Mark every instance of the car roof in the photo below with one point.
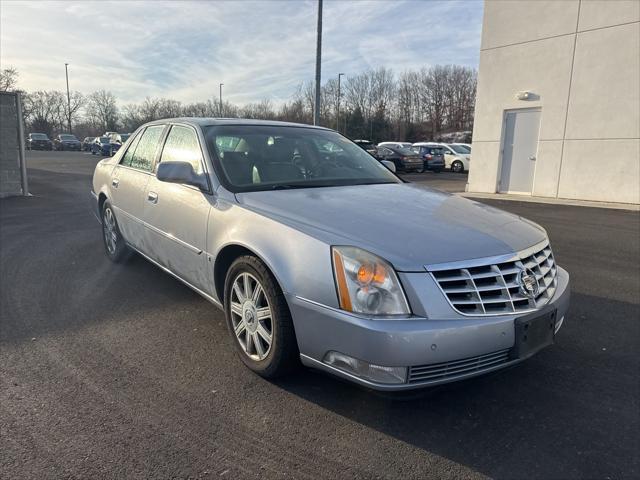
(427, 144)
(207, 122)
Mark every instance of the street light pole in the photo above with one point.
(221, 98)
(66, 72)
(316, 113)
(338, 112)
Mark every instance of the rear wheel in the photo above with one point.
(457, 167)
(114, 245)
(259, 319)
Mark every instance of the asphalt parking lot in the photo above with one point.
(120, 371)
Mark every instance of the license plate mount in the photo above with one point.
(533, 333)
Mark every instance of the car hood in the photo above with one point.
(408, 225)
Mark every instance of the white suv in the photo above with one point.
(456, 158)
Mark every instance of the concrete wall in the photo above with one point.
(10, 172)
(581, 60)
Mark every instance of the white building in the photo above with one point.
(558, 103)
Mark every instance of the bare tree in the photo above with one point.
(102, 110)
(8, 79)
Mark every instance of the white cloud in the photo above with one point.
(260, 49)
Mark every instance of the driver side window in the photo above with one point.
(182, 146)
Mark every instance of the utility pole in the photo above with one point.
(338, 112)
(66, 71)
(221, 98)
(316, 113)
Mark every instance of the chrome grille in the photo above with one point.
(441, 371)
(494, 288)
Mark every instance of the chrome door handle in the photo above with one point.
(115, 182)
(532, 157)
(152, 197)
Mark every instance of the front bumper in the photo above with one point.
(417, 343)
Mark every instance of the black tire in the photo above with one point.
(118, 251)
(283, 356)
(457, 167)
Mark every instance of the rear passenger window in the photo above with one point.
(145, 152)
(128, 156)
(182, 146)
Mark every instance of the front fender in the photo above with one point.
(300, 263)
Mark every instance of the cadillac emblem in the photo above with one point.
(528, 282)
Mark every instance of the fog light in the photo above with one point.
(368, 371)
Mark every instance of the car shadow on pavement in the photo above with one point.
(568, 412)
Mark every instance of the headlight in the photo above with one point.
(366, 283)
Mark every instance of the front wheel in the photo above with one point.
(114, 245)
(259, 319)
(457, 167)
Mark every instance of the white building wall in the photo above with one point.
(581, 61)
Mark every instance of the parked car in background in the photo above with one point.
(86, 143)
(103, 146)
(395, 144)
(66, 141)
(119, 138)
(39, 141)
(432, 155)
(455, 158)
(405, 159)
(465, 146)
(367, 145)
(329, 258)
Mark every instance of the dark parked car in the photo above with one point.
(433, 156)
(66, 141)
(39, 141)
(86, 143)
(368, 146)
(405, 159)
(104, 146)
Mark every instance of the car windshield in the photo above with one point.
(253, 158)
(124, 138)
(38, 136)
(105, 140)
(67, 137)
(459, 149)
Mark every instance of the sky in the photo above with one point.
(258, 49)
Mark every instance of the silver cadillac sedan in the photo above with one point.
(317, 253)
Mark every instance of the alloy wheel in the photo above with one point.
(109, 230)
(251, 316)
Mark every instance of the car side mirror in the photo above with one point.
(181, 172)
(390, 165)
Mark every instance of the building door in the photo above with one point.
(519, 150)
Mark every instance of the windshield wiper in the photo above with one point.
(290, 186)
